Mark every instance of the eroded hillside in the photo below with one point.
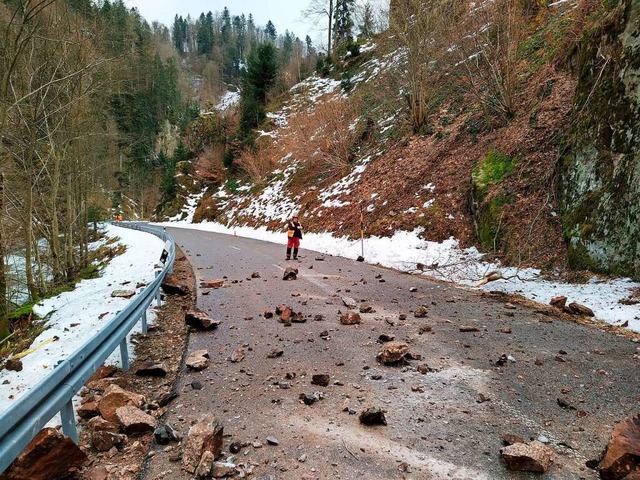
(467, 168)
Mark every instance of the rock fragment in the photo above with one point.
(200, 320)
(290, 273)
(116, 397)
(198, 360)
(152, 370)
(204, 436)
(622, 455)
(373, 416)
(321, 379)
(350, 318)
(527, 457)
(134, 421)
(392, 353)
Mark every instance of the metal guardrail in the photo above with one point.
(23, 420)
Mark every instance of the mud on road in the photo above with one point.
(511, 371)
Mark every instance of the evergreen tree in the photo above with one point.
(309, 46)
(261, 74)
(270, 31)
(343, 23)
(366, 23)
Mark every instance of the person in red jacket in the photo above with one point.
(294, 235)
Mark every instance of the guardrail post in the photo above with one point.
(124, 354)
(144, 321)
(158, 298)
(68, 418)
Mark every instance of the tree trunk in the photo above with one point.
(330, 28)
(3, 276)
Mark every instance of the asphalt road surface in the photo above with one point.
(444, 424)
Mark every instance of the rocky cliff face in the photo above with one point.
(599, 188)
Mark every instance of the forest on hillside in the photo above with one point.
(94, 104)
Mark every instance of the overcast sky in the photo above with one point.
(285, 14)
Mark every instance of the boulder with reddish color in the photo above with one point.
(204, 436)
(49, 456)
(134, 421)
(350, 318)
(622, 456)
(116, 397)
(578, 309)
(88, 410)
(99, 424)
(558, 302)
(527, 457)
(171, 286)
(198, 360)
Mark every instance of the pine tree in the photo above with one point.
(270, 31)
(343, 23)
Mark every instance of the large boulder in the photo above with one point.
(392, 353)
(622, 456)
(204, 436)
(200, 320)
(49, 456)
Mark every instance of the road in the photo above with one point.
(444, 424)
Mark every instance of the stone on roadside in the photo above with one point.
(271, 440)
(290, 273)
(622, 455)
(275, 353)
(88, 410)
(212, 284)
(198, 360)
(392, 353)
(510, 439)
(103, 441)
(309, 398)
(350, 318)
(349, 302)
(200, 320)
(558, 302)
(134, 421)
(116, 397)
(527, 457)
(204, 436)
(578, 309)
(373, 416)
(285, 314)
(99, 424)
(122, 294)
(421, 312)
(468, 329)
(366, 308)
(255, 275)
(237, 355)
(166, 434)
(171, 286)
(50, 455)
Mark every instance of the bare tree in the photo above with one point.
(318, 10)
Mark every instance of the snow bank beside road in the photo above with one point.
(74, 317)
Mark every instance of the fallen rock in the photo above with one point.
(122, 293)
(134, 421)
(212, 284)
(373, 416)
(468, 328)
(88, 410)
(558, 302)
(103, 384)
(255, 275)
(237, 355)
(298, 317)
(267, 314)
(97, 473)
(320, 379)
(99, 424)
(104, 371)
(171, 286)
(392, 352)
(366, 308)
(290, 273)
(349, 302)
(622, 455)
(166, 434)
(14, 365)
(200, 320)
(198, 360)
(275, 353)
(204, 436)
(350, 318)
(578, 309)
(386, 338)
(152, 370)
(425, 329)
(50, 455)
(116, 397)
(271, 440)
(421, 312)
(103, 441)
(309, 398)
(527, 457)
(285, 313)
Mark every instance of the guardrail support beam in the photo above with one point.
(144, 321)
(68, 418)
(124, 354)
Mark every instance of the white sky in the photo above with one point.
(285, 14)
